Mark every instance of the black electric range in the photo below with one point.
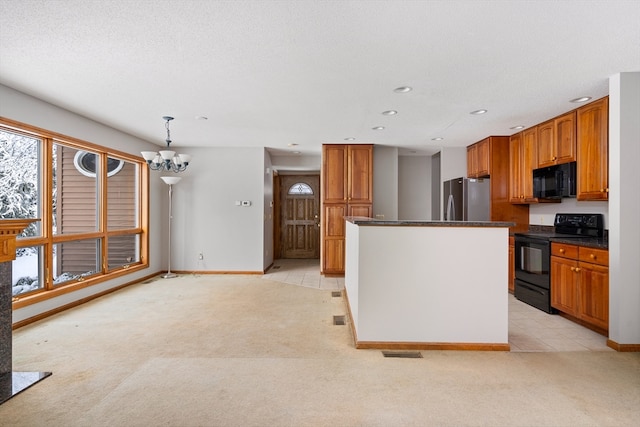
(533, 254)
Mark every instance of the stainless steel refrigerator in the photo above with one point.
(467, 199)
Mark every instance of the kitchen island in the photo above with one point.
(427, 284)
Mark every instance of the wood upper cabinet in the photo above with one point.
(556, 143)
(334, 173)
(347, 190)
(593, 150)
(522, 156)
(479, 159)
(580, 283)
(360, 174)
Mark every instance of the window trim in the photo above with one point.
(47, 239)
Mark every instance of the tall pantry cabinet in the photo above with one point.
(347, 190)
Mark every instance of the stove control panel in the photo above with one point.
(579, 223)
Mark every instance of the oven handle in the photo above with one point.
(530, 288)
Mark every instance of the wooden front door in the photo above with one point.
(300, 213)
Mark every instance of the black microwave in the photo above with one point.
(555, 182)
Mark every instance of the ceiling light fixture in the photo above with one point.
(389, 113)
(293, 144)
(378, 128)
(438, 138)
(478, 112)
(517, 127)
(350, 139)
(581, 99)
(166, 160)
(403, 89)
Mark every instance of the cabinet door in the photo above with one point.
(512, 263)
(546, 145)
(365, 210)
(334, 173)
(529, 160)
(333, 237)
(516, 194)
(592, 147)
(360, 175)
(564, 285)
(594, 294)
(472, 161)
(565, 138)
(483, 158)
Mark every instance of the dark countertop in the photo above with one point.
(592, 242)
(403, 223)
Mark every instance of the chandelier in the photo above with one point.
(166, 160)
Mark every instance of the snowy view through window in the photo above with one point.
(19, 198)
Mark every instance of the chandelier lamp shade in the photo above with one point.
(166, 160)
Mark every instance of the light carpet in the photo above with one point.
(245, 351)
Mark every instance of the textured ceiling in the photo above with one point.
(274, 73)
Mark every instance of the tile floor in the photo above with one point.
(530, 330)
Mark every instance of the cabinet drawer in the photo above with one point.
(564, 250)
(593, 255)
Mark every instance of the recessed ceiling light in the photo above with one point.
(293, 144)
(402, 89)
(350, 139)
(478, 112)
(378, 128)
(202, 118)
(581, 99)
(438, 138)
(517, 127)
(390, 113)
(296, 152)
(412, 152)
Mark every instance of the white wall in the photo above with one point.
(624, 208)
(26, 109)
(414, 187)
(544, 213)
(385, 182)
(206, 218)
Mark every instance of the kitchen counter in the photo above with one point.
(364, 221)
(427, 284)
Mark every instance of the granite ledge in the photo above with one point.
(364, 221)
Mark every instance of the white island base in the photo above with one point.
(427, 285)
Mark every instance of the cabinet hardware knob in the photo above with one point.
(592, 256)
(602, 190)
(573, 269)
(607, 190)
(554, 158)
(577, 269)
(562, 251)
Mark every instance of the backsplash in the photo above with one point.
(544, 213)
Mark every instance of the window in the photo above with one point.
(89, 201)
(300, 188)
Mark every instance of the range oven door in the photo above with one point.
(532, 261)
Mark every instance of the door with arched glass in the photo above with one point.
(300, 216)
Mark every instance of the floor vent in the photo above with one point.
(403, 354)
(336, 294)
(339, 320)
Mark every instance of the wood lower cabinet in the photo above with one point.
(347, 190)
(593, 150)
(580, 283)
(512, 263)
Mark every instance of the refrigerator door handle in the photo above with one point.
(451, 207)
